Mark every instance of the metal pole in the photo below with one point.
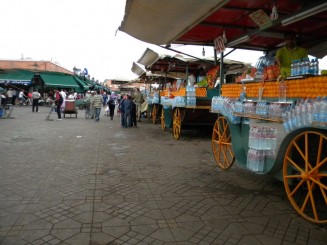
(221, 71)
(186, 73)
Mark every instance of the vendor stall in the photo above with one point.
(273, 126)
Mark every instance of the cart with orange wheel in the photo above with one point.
(181, 116)
(300, 158)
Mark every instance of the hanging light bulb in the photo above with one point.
(274, 14)
(203, 52)
(224, 37)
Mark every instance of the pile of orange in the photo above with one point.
(201, 92)
(310, 87)
(231, 90)
(180, 92)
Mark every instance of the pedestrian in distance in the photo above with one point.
(139, 100)
(111, 104)
(121, 108)
(128, 112)
(133, 115)
(97, 104)
(58, 101)
(36, 97)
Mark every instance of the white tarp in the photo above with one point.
(146, 19)
(137, 69)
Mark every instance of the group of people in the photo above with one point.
(130, 109)
(32, 98)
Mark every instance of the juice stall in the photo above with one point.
(274, 126)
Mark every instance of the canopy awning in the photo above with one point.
(246, 24)
(16, 77)
(81, 83)
(59, 80)
(137, 69)
(146, 20)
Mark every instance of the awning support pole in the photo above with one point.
(221, 71)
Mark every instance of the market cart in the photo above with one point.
(70, 108)
(183, 112)
(296, 154)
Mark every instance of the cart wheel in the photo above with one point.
(222, 144)
(162, 118)
(154, 114)
(177, 123)
(305, 175)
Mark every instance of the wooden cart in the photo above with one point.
(300, 160)
(70, 108)
(178, 117)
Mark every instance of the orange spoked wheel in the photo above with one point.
(177, 123)
(305, 175)
(222, 144)
(162, 119)
(154, 114)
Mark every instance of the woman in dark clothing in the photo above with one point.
(111, 104)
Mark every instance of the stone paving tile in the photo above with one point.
(79, 182)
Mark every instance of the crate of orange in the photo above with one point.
(201, 92)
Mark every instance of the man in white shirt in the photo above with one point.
(22, 97)
(36, 96)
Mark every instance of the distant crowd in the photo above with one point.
(127, 106)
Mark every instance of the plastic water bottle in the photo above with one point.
(306, 66)
(316, 110)
(322, 117)
(282, 91)
(293, 68)
(316, 67)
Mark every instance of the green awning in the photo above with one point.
(16, 77)
(83, 85)
(59, 80)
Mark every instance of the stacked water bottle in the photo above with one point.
(179, 101)
(166, 102)
(275, 110)
(190, 96)
(226, 106)
(155, 99)
(262, 109)
(306, 112)
(149, 99)
(305, 67)
(262, 144)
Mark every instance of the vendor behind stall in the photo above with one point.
(287, 54)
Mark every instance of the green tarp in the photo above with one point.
(59, 80)
(16, 77)
(81, 83)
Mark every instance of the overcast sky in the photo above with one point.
(80, 33)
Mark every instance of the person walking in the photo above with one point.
(10, 95)
(14, 96)
(22, 98)
(97, 104)
(133, 115)
(92, 109)
(139, 99)
(111, 104)
(128, 112)
(36, 97)
(58, 100)
(121, 108)
(105, 98)
(87, 104)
